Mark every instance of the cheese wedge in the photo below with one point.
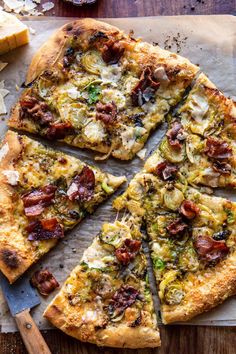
(13, 33)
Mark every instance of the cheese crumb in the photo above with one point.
(12, 176)
(3, 151)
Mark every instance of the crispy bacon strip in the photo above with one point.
(37, 200)
(107, 113)
(44, 229)
(177, 227)
(189, 209)
(145, 88)
(218, 149)
(112, 51)
(44, 281)
(175, 135)
(59, 130)
(122, 299)
(82, 185)
(210, 250)
(128, 251)
(36, 110)
(166, 171)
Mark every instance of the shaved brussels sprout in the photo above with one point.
(173, 198)
(106, 188)
(188, 260)
(92, 62)
(174, 293)
(171, 154)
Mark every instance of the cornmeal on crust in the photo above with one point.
(107, 300)
(42, 194)
(94, 87)
(192, 239)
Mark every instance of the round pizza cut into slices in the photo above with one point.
(95, 87)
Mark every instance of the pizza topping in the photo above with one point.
(222, 167)
(59, 130)
(128, 251)
(44, 281)
(44, 229)
(36, 110)
(144, 90)
(68, 57)
(10, 258)
(209, 249)
(221, 235)
(107, 113)
(37, 200)
(177, 227)
(112, 51)
(122, 299)
(175, 135)
(3, 151)
(218, 149)
(166, 171)
(189, 209)
(174, 293)
(12, 176)
(82, 185)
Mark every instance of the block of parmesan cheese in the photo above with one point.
(13, 33)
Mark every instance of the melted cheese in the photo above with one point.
(12, 176)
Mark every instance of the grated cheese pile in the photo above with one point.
(27, 7)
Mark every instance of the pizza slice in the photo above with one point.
(43, 193)
(107, 300)
(95, 87)
(193, 250)
(200, 140)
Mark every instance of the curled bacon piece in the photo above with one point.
(189, 209)
(175, 135)
(145, 88)
(37, 200)
(112, 51)
(44, 281)
(222, 167)
(36, 110)
(210, 250)
(107, 113)
(218, 149)
(44, 229)
(123, 298)
(128, 251)
(177, 227)
(82, 185)
(166, 171)
(59, 130)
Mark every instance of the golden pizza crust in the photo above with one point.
(212, 291)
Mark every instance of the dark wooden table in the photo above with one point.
(175, 339)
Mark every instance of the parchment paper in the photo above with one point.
(209, 41)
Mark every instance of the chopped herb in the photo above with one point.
(94, 92)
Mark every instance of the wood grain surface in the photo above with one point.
(175, 339)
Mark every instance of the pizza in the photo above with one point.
(107, 299)
(191, 236)
(92, 86)
(43, 193)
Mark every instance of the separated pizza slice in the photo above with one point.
(95, 87)
(107, 300)
(193, 249)
(200, 140)
(43, 193)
